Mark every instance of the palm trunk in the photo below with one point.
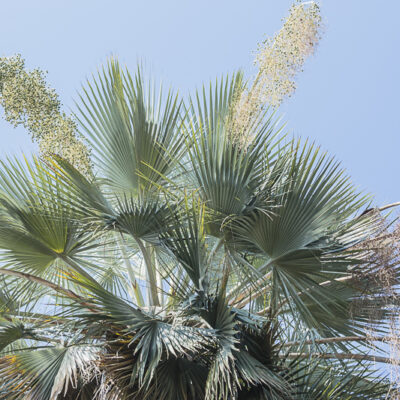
(343, 339)
(133, 286)
(151, 276)
(340, 356)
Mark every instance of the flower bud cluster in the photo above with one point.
(27, 100)
(279, 59)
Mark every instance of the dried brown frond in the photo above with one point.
(379, 277)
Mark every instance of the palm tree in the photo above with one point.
(188, 264)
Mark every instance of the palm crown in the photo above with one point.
(187, 264)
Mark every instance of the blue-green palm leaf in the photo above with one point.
(226, 173)
(134, 134)
(306, 239)
(44, 373)
(37, 228)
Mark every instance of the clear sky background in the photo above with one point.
(347, 98)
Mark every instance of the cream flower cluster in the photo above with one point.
(28, 101)
(279, 60)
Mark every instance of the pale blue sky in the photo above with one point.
(347, 97)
